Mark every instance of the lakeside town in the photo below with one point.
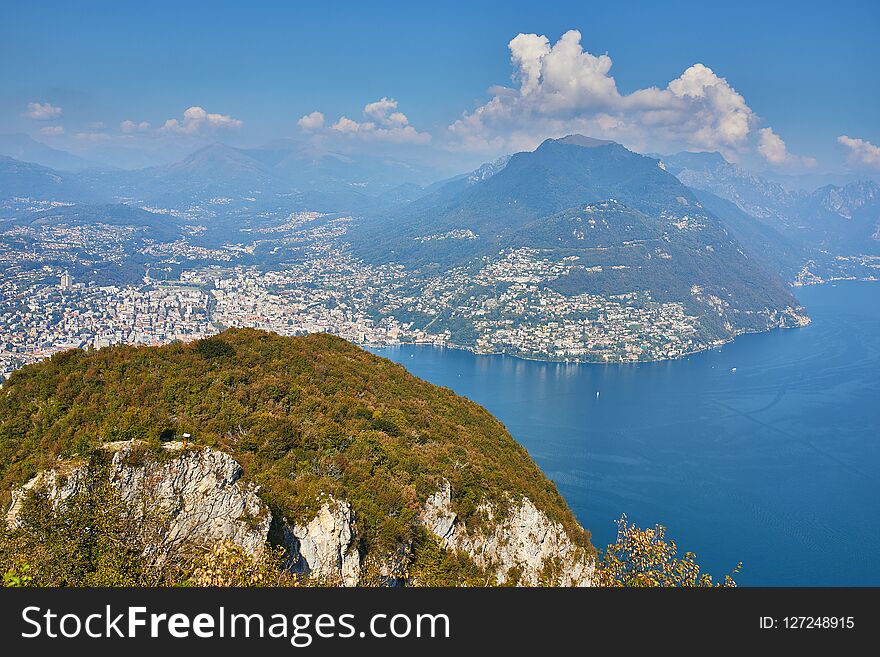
(45, 309)
(498, 304)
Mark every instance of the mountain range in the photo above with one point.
(281, 172)
(28, 180)
(689, 229)
(833, 218)
(284, 173)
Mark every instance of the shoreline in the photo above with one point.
(692, 352)
(535, 359)
(574, 361)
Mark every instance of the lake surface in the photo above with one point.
(775, 464)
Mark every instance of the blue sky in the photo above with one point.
(805, 71)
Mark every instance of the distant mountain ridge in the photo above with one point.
(711, 172)
(281, 172)
(840, 218)
(26, 149)
(29, 180)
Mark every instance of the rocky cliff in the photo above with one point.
(193, 497)
(325, 547)
(520, 545)
(196, 497)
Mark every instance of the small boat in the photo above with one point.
(597, 394)
(733, 370)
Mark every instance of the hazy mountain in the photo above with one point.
(34, 181)
(161, 226)
(487, 170)
(784, 255)
(751, 193)
(313, 169)
(841, 219)
(277, 175)
(22, 147)
(809, 182)
(215, 170)
(281, 174)
(400, 195)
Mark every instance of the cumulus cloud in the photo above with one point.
(383, 121)
(561, 88)
(129, 127)
(384, 112)
(345, 124)
(861, 152)
(311, 122)
(52, 130)
(42, 111)
(196, 120)
(773, 149)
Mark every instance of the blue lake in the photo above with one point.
(775, 464)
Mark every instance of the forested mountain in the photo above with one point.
(424, 477)
(618, 220)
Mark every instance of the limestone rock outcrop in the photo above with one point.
(326, 547)
(197, 498)
(194, 495)
(522, 543)
(197, 495)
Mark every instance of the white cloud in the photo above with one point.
(311, 122)
(384, 112)
(52, 130)
(861, 151)
(773, 149)
(129, 127)
(42, 111)
(92, 136)
(384, 122)
(561, 88)
(712, 105)
(344, 124)
(196, 120)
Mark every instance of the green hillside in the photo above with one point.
(304, 416)
(657, 257)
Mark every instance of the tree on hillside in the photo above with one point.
(647, 558)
